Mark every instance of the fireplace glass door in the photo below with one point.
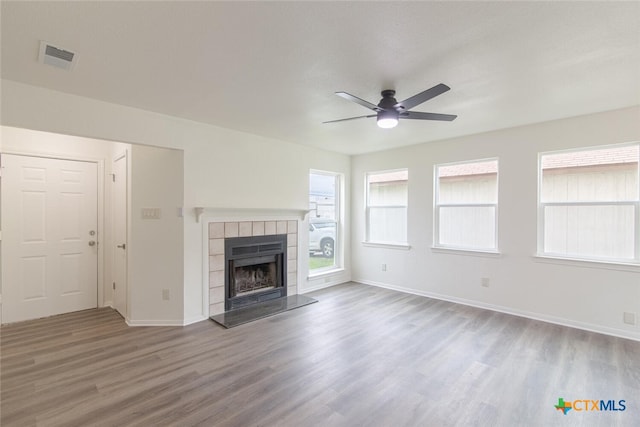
(254, 275)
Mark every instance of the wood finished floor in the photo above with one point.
(361, 356)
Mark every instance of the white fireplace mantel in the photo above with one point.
(250, 213)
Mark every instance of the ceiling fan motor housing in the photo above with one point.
(388, 99)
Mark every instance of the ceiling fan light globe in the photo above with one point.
(387, 119)
(387, 123)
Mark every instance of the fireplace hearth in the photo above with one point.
(256, 269)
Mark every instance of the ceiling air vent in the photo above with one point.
(57, 57)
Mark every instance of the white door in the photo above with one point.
(119, 198)
(49, 237)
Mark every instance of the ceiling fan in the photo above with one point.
(388, 110)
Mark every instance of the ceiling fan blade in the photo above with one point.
(357, 100)
(426, 95)
(416, 115)
(350, 118)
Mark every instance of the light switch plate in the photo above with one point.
(150, 213)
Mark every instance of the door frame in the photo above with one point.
(102, 238)
(126, 154)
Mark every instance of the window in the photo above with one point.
(589, 204)
(466, 205)
(324, 220)
(387, 206)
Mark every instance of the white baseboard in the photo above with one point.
(631, 335)
(154, 322)
(184, 322)
(194, 319)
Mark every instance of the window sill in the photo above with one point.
(401, 246)
(467, 252)
(323, 273)
(576, 262)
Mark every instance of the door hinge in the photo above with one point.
(114, 286)
(113, 177)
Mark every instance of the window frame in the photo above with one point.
(436, 209)
(542, 205)
(338, 247)
(376, 243)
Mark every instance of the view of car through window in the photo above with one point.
(323, 220)
(322, 237)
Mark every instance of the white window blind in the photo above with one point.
(466, 205)
(387, 196)
(589, 204)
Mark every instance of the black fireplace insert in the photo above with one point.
(256, 269)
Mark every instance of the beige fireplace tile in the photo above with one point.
(292, 290)
(216, 262)
(218, 308)
(230, 229)
(292, 279)
(292, 253)
(216, 230)
(281, 227)
(269, 228)
(292, 240)
(216, 246)
(292, 266)
(216, 278)
(245, 229)
(292, 226)
(258, 228)
(216, 295)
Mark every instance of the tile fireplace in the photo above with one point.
(263, 265)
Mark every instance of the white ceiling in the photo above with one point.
(271, 68)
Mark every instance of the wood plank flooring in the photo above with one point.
(361, 356)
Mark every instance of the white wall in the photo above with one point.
(585, 295)
(213, 157)
(156, 245)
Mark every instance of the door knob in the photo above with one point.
(92, 243)
(122, 246)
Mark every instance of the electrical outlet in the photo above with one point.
(165, 294)
(384, 267)
(629, 318)
(484, 282)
